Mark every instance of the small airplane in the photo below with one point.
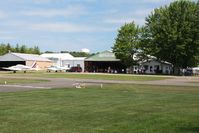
(21, 67)
(57, 69)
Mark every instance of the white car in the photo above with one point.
(57, 69)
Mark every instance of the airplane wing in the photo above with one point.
(12, 68)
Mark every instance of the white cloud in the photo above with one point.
(7, 37)
(2, 14)
(142, 13)
(59, 1)
(33, 1)
(151, 1)
(137, 16)
(118, 21)
(51, 22)
(139, 21)
(68, 28)
(5, 32)
(68, 11)
(157, 1)
(44, 1)
(138, 1)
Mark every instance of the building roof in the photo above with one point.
(103, 56)
(61, 56)
(153, 58)
(79, 58)
(22, 57)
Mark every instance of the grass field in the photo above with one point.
(112, 109)
(123, 77)
(20, 80)
(107, 77)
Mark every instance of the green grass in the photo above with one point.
(112, 109)
(123, 77)
(20, 80)
(107, 77)
(194, 82)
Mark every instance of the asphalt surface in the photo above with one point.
(68, 83)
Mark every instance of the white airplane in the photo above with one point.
(57, 68)
(24, 68)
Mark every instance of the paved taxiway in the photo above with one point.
(68, 83)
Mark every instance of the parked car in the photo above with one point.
(57, 69)
(75, 69)
(189, 72)
(54, 68)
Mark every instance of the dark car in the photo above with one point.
(188, 72)
(75, 69)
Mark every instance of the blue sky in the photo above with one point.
(57, 25)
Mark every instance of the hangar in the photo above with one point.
(65, 60)
(11, 59)
(104, 62)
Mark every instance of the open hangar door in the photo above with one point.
(10, 63)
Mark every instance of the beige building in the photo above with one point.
(11, 59)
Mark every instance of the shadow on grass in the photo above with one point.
(190, 129)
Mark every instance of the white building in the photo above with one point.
(156, 67)
(65, 60)
(152, 66)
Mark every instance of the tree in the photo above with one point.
(48, 52)
(17, 49)
(23, 49)
(79, 54)
(8, 48)
(3, 49)
(172, 34)
(36, 50)
(127, 44)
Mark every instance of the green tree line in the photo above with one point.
(6, 48)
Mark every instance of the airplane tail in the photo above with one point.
(34, 66)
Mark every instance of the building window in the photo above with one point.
(146, 67)
(157, 67)
(151, 69)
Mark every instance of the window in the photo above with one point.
(157, 67)
(146, 67)
(151, 69)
